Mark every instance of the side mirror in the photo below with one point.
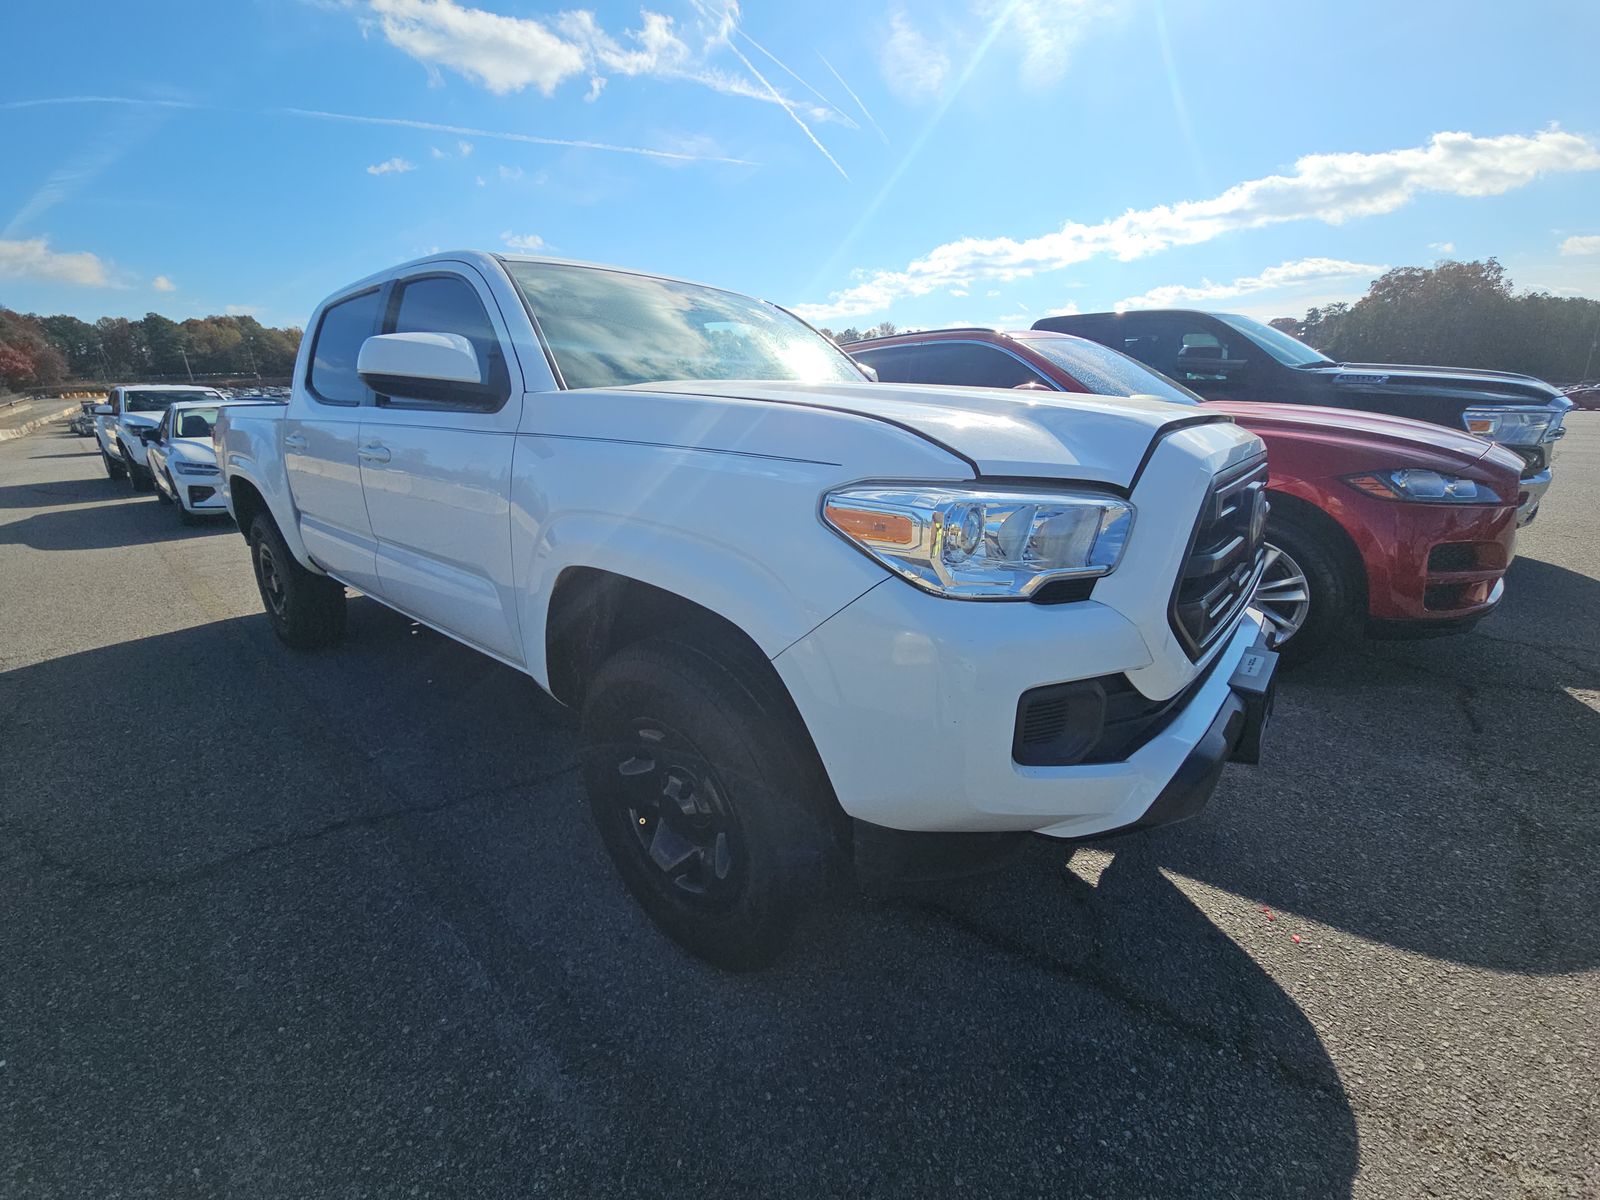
(152, 434)
(101, 410)
(398, 362)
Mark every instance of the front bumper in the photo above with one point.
(1532, 490)
(199, 493)
(911, 701)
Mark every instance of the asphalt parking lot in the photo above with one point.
(335, 924)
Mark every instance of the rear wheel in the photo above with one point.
(306, 610)
(1308, 591)
(707, 796)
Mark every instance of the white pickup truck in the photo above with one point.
(815, 624)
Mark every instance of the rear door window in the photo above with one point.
(332, 378)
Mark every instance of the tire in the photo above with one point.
(139, 478)
(114, 469)
(707, 795)
(1332, 588)
(305, 610)
(161, 496)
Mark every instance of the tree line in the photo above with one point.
(38, 351)
(1459, 314)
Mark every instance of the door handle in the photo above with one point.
(373, 452)
(294, 441)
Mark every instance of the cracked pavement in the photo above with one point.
(277, 924)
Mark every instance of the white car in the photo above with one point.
(814, 624)
(129, 409)
(182, 460)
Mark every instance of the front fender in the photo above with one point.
(739, 536)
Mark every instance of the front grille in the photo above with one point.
(1225, 557)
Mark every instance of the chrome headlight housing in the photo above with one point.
(1514, 426)
(1429, 487)
(973, 543)
(185, 467)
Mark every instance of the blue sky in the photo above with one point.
(957, 161)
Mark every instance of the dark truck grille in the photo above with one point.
(1225, 557)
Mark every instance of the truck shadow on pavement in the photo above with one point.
(104, 516)
(380, 859)
(1437, 795)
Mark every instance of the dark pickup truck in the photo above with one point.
(1227, 357)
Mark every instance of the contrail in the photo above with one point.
(533, 139)
(401, 123)
(787, 107)
(856, 98)
(796, 77)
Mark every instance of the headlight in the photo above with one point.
(1429, 486)
(1513, 427)
(998, 544)
(193, 468)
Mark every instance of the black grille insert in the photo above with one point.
(1225, 557)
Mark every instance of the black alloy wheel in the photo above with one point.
(677, 815)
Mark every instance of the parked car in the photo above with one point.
(1396, 527)
(183, 461)
(82, 422)
(811, 622)
(1234, 358)
(126, 411)
(1584, 395)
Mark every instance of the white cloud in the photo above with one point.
(391, 166)
(1443, 247)
(509, 54)
(527, 243)
(1332, 188)
(510, 173)
(1048, 31)
(464, 148)
(241, 310)
(913, 66)
(32, 258)
(505, 54)
(162, 284)
(1069, 309)
(481, 181)
(1303, 271)
(438, 153)
(1581, 245)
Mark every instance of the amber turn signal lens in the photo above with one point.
(1373, 486)
(883, 529)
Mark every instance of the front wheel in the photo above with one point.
(139, 478)
(306, 610)
(162, 494)
(708, 798)
(114, 469)
(1307, 593)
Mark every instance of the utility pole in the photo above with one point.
(1593, 344)
(186, 366)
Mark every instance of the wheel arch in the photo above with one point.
(1315, 519)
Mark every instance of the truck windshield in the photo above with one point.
(1290, 351)
(609, 328)
(1104, 371)
(159, 401)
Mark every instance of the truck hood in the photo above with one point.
(1345, 424)
(140, 420)
(1002, 432)
(1483, 387)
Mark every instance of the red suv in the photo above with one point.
(1382, 524)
